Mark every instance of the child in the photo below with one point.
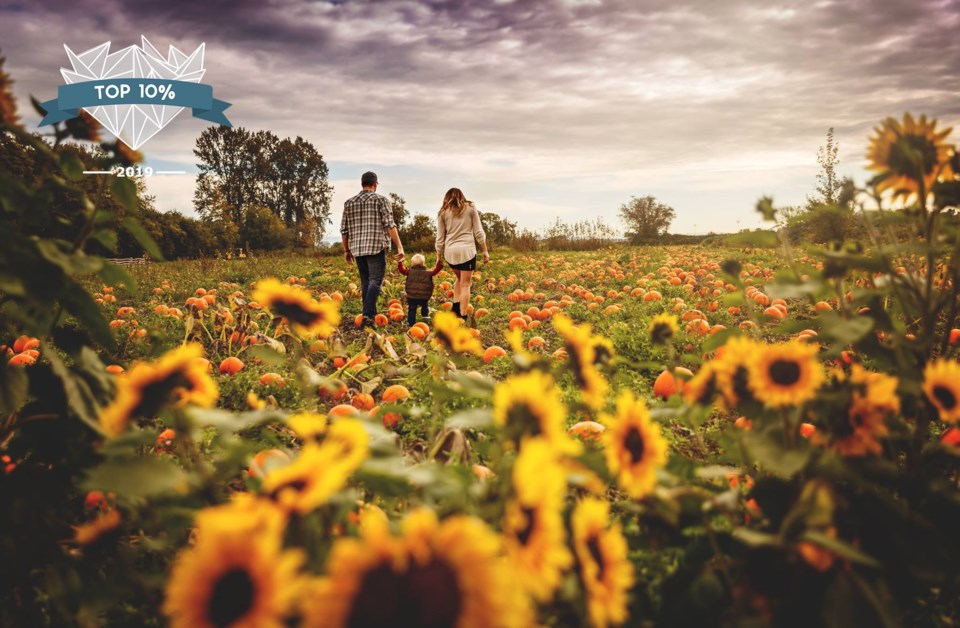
(419, 286)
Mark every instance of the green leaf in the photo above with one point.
(71, 165)
(476, 418)
(106, 237)
(846, 331)
(81, 305)
(840, 548)
(227, 421)
(125, 191)
(72, 263)
(12, 285)
(717, 340)
(80, 398)
(14, 386)
(114, 275)
(144, 239)
(138, 477)
(772, 456)
(755, 538)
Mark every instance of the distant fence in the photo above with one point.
(129, 261)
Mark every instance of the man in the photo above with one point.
(367, 228)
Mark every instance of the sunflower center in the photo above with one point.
(155, 395)
(524, 535)
(523, 420)
(905, 153)
(576, 362)
(945, 396)
(294, 312)
(740, 387)
(425, 595)
(601, 354)
(634, 444)
(785, 372)
(661, 332)
(231, 598)
(708, 390)
(593, 546)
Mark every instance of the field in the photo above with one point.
(675, 436)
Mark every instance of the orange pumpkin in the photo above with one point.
(396, 392)
(363, 401)
(264, 460)
(587, 430)
(231, 366)
(492, 353)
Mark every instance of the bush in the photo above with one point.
(825, 223)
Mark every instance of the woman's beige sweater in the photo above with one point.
(458, 236)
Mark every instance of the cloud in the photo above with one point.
(592, 101)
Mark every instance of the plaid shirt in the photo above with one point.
(366, 219)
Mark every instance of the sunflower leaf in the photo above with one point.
(840, 548)
(137, 477)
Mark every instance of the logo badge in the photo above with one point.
(134, 92)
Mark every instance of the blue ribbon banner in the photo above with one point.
(137, 91)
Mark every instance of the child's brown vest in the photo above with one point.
(419, 284)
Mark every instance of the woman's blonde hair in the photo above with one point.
(454, 201)
(418, 260)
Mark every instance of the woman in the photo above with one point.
(459, 233)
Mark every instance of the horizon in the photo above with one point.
(537, 110)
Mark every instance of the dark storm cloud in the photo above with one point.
(640, 93)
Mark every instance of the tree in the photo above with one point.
(400, 213)
(499, 230)
(263, 230)
(646, 218)
(829, 185)
(240, 169)
(422, 233)
(228, 162)
(294, 184)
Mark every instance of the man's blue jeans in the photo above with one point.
(372, 268)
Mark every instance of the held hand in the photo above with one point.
(400, 255)
(486, 257)
(348, 256)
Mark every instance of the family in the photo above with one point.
(367, 228)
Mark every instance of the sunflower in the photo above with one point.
(529, 404)
(633, 446)
(176, 379)
(295, 306)
(941, 383)
(662, 328)
(785, 374)
(433, 574)
(582, 349)
(320, 470)
(534, 536)
(908, 152)
(602, 563)
(308, 426)
(449, 332)
(873, 399)
(236, 574)
(703, 387)
(732, 370)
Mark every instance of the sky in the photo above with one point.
(536, 109)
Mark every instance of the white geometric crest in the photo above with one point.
(134, 124)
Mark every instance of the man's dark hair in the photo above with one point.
(368, 179)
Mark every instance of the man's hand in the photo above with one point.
(400, 255)
(486, 257)
(347, 255)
